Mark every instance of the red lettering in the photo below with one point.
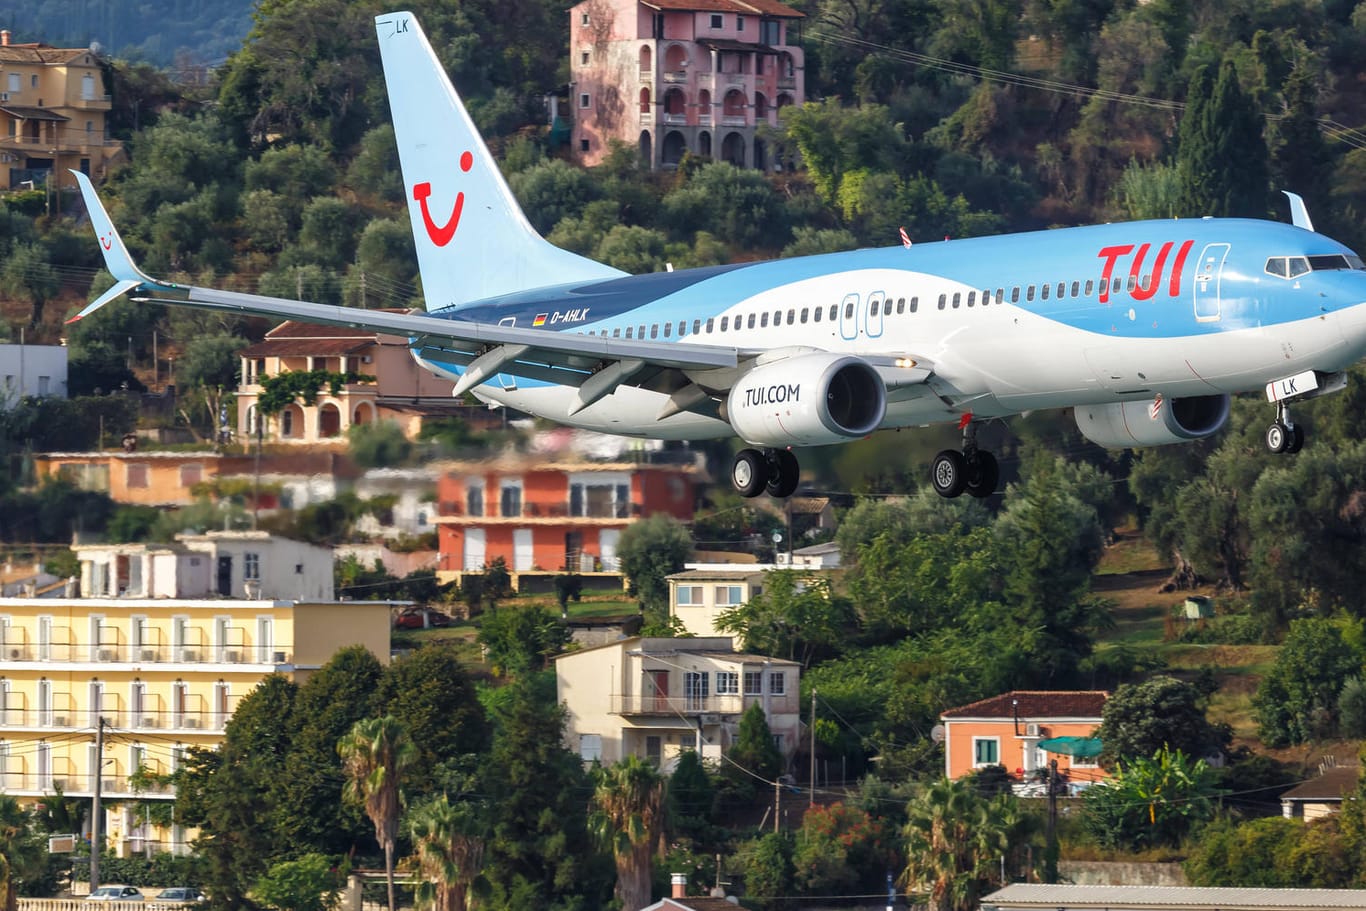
(1110, 254)
(1174, 289)
(1141, 292)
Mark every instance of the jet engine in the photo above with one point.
(807, 400)
(1153, 423)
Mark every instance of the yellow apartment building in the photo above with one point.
(164, 673)
(53, 107)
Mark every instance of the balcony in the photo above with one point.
(675, 77)
(81, 653)
(674, 706)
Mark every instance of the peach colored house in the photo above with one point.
(53, 106)
(675, 76)
(142, 478)
(1006, 730)
(402, 391)
(553, 514)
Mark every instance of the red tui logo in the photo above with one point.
(442, 234)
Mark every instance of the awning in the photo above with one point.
(1081, 747)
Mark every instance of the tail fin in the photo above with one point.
(117, 260)
(473, 241)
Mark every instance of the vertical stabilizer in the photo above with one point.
(473, 241)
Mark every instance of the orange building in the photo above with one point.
(141, 478)
(550, 515)
(1007, 729)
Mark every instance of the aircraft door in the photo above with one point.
(849, 317)
(1208, 274)
(507, 381)
(874, 325)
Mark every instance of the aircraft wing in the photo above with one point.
(595, 364)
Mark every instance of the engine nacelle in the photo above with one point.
(807, 400)
(1128, 424)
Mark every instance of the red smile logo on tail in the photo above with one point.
(442, 234)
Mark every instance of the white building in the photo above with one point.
(31, 370)
(655, 698)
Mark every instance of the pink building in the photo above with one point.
(675, 76)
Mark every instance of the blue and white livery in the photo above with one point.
(1144, 328)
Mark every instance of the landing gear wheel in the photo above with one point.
(1278, 437)
(749, 472)
(982, 474)
(1296, 439)
(784, 473)
(948, 473)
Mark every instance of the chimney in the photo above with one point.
(680, 885)
(4, 37)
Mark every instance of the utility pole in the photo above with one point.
(1050, 863)
(777, 802)
(95, 806)
(812, 802)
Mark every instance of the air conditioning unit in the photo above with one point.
(279, 657)
(107, 654)
(149, 654)
(232, 656)
(59, 721)
(190, 723)
(189, 654)
(4, 96)
(58, 784)
(711, 719)
(109, 784)
(150, 721)
(15, 654)
(1031, 730)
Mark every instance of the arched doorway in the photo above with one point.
(733, 107)
(646, 60)
(675, 106)
(704, 143)
(364, 414)
(704, 106)
(760, 154)
(645, 102)
(674, 147)
(733, 149)
(329, 421)
(760, 107)
(647, 155)
(676, 59)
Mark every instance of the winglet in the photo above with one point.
(117, 260)
(1299, 212)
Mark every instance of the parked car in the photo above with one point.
(411, 618)
(115, 894)
(180, 895)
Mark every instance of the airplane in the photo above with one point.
(1145, 329)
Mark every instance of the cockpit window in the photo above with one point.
(1294, 266)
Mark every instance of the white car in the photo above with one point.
(115, 894)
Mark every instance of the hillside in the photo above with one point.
(163, 32)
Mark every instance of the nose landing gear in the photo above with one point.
(1284, 435)
(773, 470)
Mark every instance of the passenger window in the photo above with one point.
(1076, 288)
(817, 314)
(943, 299)
(641, 333)
(900, 305)
(1015, 295)
(1043, 292)
(1062, 290)
(750, 321)
(616, 333)
(915, 304)
(1133, 283)
(1029, 293)
(834, 308)
(986, 296)
(957, 299)
(654, 330)
(1000, 294)
(725, 320)
(778, 317)
(696, 326)
(711, 324)
(791, 317)
(763, 320)
(1090, 286)
(887, 307)
(805, 312)
(682, 328)
(972, 298)
(872, 307)
(849, 310)
(629, 330)
(667, 327)
(1118, 285)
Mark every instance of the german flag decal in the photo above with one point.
(540, 319)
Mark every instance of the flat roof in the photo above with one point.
(1143, 898)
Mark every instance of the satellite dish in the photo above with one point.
(937, 733)
(777, 537)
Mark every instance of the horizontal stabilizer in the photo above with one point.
(120, 288)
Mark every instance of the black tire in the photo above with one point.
(785, 473)
(948, 473)
(749, 472)
(983, 474)
(1296, 438)
(1277, 437)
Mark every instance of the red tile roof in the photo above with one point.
(1332, 784)
(304, 347)
(1035, 704)
(744, 7)
(39, 53)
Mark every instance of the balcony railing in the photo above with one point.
(145, 654)
(675, 77)
(74, 785)
(146, 720)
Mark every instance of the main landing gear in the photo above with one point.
(1284, 435)
(773, 470)
(973, 471)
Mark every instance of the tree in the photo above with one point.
(28, 274)
(375, 754)
(430, 692)
(1222, 156)
(954, 841)
(795, 616)
(1150, 802)
(630, 806)
(378, 444)
(767, 865)
(309, 883)
(692, 796)
(1298, 698)
(450, 840)
(1140, 719)
(841, 850)
(278, 392)
(649, 550)
(207, 372)
(753, 761)
(521, 640)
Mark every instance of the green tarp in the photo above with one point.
(1083, 747)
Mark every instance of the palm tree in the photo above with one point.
(629, 809)
(374, 755)
(13, 828)
(449, 838)
(954, 840)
